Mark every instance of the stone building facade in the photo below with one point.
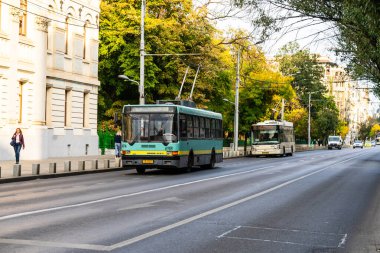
(49, 76)
(352, 102)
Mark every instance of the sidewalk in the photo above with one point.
(26, 166)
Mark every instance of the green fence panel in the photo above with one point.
(106, 140)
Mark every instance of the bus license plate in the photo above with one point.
(147, 161)
(265, 153)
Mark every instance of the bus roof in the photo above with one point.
(274, 123)
(180, 108)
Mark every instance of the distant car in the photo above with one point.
(373, 143)
(334, 142)
(358, 144)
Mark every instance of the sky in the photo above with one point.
(307, 38)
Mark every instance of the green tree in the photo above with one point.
(357, 26)
(171, 27)
(303, 67)
(307, 75)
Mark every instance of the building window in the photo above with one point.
(23, 17)
(67, 114)
(86, 103)
(48, 106)
(67, 35)
(0, 15)
(85, 39)
(21, 101)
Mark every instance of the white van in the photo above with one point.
(334, 142)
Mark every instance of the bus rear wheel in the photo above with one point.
(140, 170)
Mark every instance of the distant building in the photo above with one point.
(49, 76)
(353, 103)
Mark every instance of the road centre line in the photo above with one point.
(168, 227)
(218, 209)
(11, 216)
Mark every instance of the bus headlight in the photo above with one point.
(125, 152)
(172, 153)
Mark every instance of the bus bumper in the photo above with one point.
(264, 152)
(149, 161)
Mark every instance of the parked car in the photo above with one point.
(334, 142)
(358, 144)
(373, 143)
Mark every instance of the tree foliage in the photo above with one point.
(356, 23)
(171, 27)
(307, 75)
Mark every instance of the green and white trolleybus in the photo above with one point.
(272, 138)
(170, 136)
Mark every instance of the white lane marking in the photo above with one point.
(343, 241)
(212, 211)
(54, 244)
(183, 222)
(218, 209)
(292, 230)
(274, 241)
(151, 204)
(11, 216)
(229, 231)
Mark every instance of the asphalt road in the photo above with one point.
(320, 201)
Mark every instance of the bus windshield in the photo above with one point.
(153, 127)
(265, 135)
(334, 138)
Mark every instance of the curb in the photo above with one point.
(56, 175)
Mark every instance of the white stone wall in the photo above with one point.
(40, 64)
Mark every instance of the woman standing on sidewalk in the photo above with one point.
(18, 140)
(118, 144)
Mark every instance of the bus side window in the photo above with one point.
(196, 126)
(207, 128)
(212, 129)
(201, 127)
(190, 129)
(218, 129)
(182, 126)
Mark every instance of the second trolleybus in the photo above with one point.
(272, 137)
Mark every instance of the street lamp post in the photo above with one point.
(142, 54)
(308, 122)
(236, 117)
(127, 78)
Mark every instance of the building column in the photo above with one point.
(39, 84)
(12, 75)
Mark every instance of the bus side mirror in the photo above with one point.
(116, 120)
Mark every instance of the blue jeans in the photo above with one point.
(117, 149)
(17, 149)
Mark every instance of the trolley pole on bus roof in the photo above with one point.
(142, 54)
(236, 115)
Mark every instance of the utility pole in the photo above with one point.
(282, 109)
(308, 124)
(142, 54)
(236, 116)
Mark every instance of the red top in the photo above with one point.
(21, 139)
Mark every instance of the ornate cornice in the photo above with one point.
(42, 24)
(16, 13)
